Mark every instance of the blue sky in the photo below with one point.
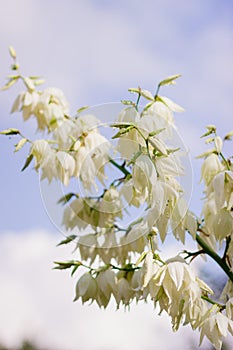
(95, 51)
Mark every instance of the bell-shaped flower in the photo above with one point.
(65, 166)
(150, 268)
(222, 224)
(40, 150)
(124, 292)
(215, 327)
(106, 281)
(52, 107)
(111, 202)
(86, 288)
(27, 102)
(128, 115)
(75, 215)
(144, 173)
(222, 186)
(176, 281)
(229, 308)
(88, 247)
(211, 167)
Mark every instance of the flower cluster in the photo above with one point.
(49, 107)
(119, 222)
(217, 174)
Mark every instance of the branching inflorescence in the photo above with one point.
(118, 259)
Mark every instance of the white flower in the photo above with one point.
(59, 165)
(88, 247)
(132, 195)
(150, 268)
(51, 108)
(210, 167)
(175, 281)
(128, 143)
(190, 223)
(177, 219)
(215, 327)
(128, 115)
(229, 308)
(27, 102)
(91, 156)
(111, 202)
(86, 288)
(106, 281)
(76, 215)
(48, 106)
(65, 166)
(222, 186)
(222, 224)
(144, 173)
(218, 144)
(209, 211)
(40, 150)
(169, 166)
(124, 292)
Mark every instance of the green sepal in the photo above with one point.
(67, 240)
(28, 161)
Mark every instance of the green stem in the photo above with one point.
(120, 167)
(209, 251)
(157, 92)
(126, 268)
(225, 161)
(204, 297)
(228, 241)
(138, 99)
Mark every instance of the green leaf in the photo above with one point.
(210, 130)
(28, 161)
(67, 240)
(20, 144)
(142, 92)
(82, 109)
(206, 134)
(39, 82)
(13, 76)
(64, 265)
(228, 136)
(11, 82)
(169, 80)
(128, 103)
(75, 268)
(153, 133)
(10, 131)
(12, 52)
(122, 132)
(121, 125)
(67, 198)
(206, 153)
(173, 150)
(29, 83)
(209, 140)
(140, 259)
(15, 66)
(135, 90)
(34, 77)
(53, 122)
(148, 106)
